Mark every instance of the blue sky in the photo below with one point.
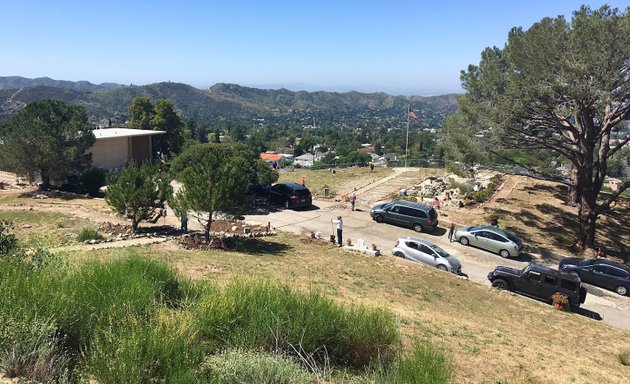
(399, 47)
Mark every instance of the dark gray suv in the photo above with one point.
(420, 217)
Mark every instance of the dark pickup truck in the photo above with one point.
(539, 282)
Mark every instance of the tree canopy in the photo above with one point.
(560, 87)
(160, 117)
(136, 191)
(215, 178)
(47, 137)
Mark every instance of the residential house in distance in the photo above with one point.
(306, 160)
(114, 148)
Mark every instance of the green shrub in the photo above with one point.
(99, 294)
(8, 241)
(240, 366)
(29, 349)
(91, 181)
(262, 315)
(425, 364)
(89, 234)
(624, 357)
(138, 352)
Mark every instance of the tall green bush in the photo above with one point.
(263, 315)
(139, 352)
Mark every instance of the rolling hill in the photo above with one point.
(221, 101)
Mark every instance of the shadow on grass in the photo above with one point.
(558, 191)
(259, 246)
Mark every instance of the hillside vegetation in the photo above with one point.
(222, 101)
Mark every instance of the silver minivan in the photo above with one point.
(426, 252)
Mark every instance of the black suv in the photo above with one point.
(600, 272)
(290, 195)
(539, 282)
(417, 216)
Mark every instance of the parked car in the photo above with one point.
(600, 272)
(490, 238)
(539, 283)
(420, 217)
(290, 195)
(422, 251)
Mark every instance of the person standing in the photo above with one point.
(184, 223)
(436, 203)
(451, 231)
(339, 223)
(353, 199)
(302, 181)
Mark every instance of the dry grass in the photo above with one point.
(492, 336)
(341, 182)
(535, 211)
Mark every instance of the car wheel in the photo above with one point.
(286, 204)
(504, 253)
(442, 267)
(501, 284)
(378, 218)
(621, 290)
(399, 254)
(417, 227)
(463, 240)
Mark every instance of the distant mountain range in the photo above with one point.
(110, 101)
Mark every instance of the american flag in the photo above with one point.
(412, 115)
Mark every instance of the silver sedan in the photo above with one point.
(490, 238)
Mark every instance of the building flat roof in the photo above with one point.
(109, 133)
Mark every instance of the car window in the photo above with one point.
(423, 248)
(406, 211)
(395, 209)
(568, 285)
(550, 280)
(412, 245)
(497, 237)
(513, 238)
(586, 262)
(600, 269)
(439, 250)
(532, 275)
(483, 234)
(617, 272)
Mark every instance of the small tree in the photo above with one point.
(215, 178)
(135, 192)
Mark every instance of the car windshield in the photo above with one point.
(439, 250)
(387, 206)
(585, 262)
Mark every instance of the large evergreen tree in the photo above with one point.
(49, 138)
(562, 87)
(215, 178)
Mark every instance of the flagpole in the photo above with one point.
(407, 141)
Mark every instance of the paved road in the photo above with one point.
(610, 307)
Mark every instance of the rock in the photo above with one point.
(234, 228)
(26, 226)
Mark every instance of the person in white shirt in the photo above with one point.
(339, 223)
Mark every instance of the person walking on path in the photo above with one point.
(339, 223)
(451, 231)
(436, 203)
(353, 199)
(302, 181)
